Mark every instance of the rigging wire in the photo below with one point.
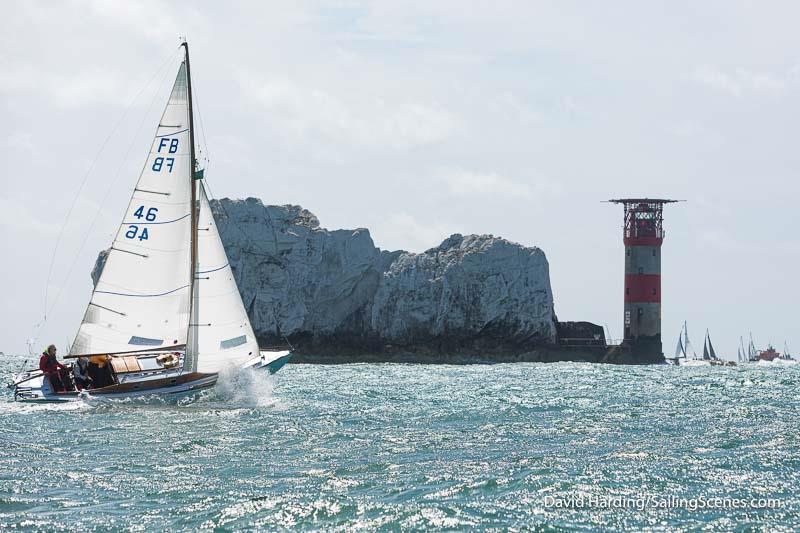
(81, 187)
(228, 217)
(206, 153)
(211, 195)
(115, 179)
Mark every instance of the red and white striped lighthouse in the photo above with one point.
(643, 234)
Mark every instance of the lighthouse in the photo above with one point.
(643, 235)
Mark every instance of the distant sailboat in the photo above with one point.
(708, 349)
(786, 356)
(165, 316)
(752, 353)
(710, 355)
(684, 348)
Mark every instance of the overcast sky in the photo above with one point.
(418, 120)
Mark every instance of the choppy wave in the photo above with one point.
(412, 447)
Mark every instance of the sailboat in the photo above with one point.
(684, 348)
(708, 356)
(680, 349)
(711, 356)
(752, 353)
(165, 317)
(786, 357)
(741, 352)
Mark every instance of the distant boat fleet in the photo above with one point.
(751, 355)
(685, 354)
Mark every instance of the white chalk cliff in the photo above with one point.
(334, 291)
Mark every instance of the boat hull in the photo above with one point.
(269, 361)
(38, 389)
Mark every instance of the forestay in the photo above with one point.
(221, 328)
(141, 300)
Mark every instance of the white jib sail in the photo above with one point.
(141, 300)
(223, 330)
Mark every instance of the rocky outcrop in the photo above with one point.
(334, 294)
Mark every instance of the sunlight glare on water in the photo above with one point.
(415, 447)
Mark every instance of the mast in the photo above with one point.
(686, 342)
(192, 167)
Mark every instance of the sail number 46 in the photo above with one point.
(133, 230)
(150, 216)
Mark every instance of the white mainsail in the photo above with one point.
(141, 300)
(687, 344)
(220, 326)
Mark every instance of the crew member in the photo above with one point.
(51, 368)
(80, 371)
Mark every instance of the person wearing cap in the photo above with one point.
(51, 368)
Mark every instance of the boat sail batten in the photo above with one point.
(142, 296)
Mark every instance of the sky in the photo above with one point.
(417, 120)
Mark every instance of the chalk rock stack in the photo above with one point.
(334, 293)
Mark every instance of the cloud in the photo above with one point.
(89, 86)
(739, 80)
(407, 232)
(150, 18)
(718, 79)
(722, 241)
(468, 183)
(21, 141)
(364, 120)
(19, 217)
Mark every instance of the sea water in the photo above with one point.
(387, 446)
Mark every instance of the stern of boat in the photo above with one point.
(32, 386)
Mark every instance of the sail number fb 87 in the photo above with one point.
(169, 145)
(172, 147)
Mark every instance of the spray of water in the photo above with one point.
(244, 387)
